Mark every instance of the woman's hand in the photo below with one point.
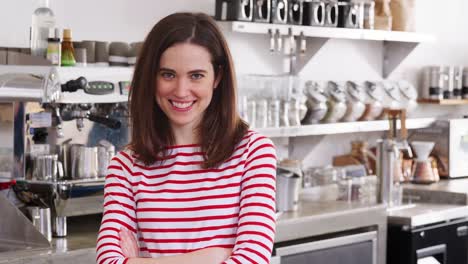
(128, 244)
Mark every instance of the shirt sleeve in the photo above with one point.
(256, 226)
(119, 210)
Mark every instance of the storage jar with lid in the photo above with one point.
(355, 102)
(316, 103)
(373, 101)
(392, 97)
(409, 95)
(336, 103)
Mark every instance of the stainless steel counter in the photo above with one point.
(311, 219)
(319, 218)
(453, 191)
(78, 246)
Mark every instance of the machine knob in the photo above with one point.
(73, 85)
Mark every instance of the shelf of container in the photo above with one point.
(340, 128)
(444, 101)
(328, 32)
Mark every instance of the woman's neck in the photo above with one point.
(184, 135)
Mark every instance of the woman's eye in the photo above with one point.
(167, 75)
(197, 76)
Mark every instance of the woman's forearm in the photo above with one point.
(206, 256)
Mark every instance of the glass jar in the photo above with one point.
(316, 103)
(336, 103)
(409, 95)
(273, 119)
(373, 101)
(392, 97)
(355, 102)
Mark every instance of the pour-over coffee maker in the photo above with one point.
(423, 171)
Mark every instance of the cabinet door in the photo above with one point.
(353, 249)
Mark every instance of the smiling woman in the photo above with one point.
(194, 185)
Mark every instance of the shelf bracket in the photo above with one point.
(394, 53)
(313, 46)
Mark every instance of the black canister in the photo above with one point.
(313, 13)
(348, 14)
(262, 11)
(465, 84)
(279, 11)
(237, 10)
(295, 14)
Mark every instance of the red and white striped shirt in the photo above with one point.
(176, 207)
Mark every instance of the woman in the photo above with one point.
(194, 185)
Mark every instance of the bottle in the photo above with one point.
(54, 49)
(68, 52)
(43, 20)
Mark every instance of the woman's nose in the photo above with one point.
(182, 88)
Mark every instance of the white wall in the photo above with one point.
(130, 20)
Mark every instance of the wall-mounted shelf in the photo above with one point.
(340, 128)
(444, 101)
(397, 44)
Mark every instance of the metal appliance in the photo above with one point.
(451, 145)
(356, 248)
(68, 106)
(237, 10)
(428, 233)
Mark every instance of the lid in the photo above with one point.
(391, 89)
(314, 91)
(67, 34)
(355, 91)
(336, 91)
(374, 90)
(407, 90)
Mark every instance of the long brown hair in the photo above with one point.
(221, 128)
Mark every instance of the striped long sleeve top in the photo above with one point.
(175, 207)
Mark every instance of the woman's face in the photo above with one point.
(185, 84)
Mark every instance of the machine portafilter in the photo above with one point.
(79, 112)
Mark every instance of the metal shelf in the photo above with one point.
(397, 44)
(444, 101)
(340, 128)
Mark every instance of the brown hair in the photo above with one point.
(221, 128)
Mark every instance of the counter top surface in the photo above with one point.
(416, 215)
(459, 185)
(309, 220)
(452, 191)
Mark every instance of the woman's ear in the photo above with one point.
(219, 76)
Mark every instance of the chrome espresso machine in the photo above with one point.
(59, 128)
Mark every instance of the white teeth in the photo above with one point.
(181, 105)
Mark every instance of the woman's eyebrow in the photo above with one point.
(166, 69)
(198, 71)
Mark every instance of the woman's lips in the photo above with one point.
(182, 106)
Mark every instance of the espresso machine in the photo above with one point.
(59, 128)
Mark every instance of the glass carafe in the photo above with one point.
(422, 171)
